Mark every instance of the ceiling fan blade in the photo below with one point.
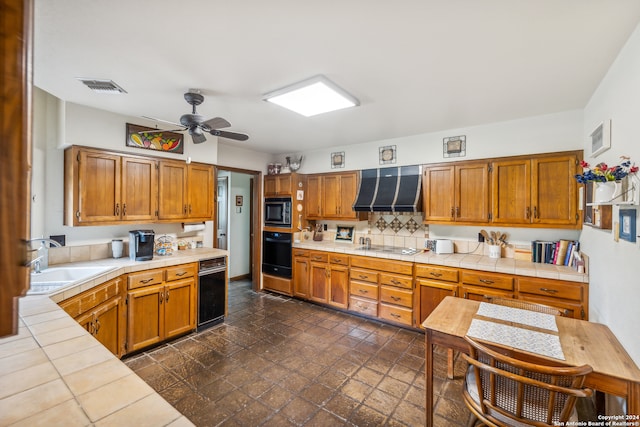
(164, 121)
(198, 138)
(215, 123)
(160, 130)
(229, 135)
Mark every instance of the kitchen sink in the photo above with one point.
(52, 279)
(388, 249)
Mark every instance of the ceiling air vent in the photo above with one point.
(102, 86)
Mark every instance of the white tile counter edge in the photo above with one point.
(468, 261)
(37, 367)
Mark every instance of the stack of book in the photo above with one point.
(562, 252)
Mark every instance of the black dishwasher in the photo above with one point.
(212, 292)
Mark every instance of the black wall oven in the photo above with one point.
(276, 253)
(277, 212)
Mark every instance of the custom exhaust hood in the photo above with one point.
(394, 189)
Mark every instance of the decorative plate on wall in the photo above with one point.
(387, 154)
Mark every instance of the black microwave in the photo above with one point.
(277, 212)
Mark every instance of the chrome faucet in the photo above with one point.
(41, 262)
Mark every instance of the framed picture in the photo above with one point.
(454, 146)
(628, 225)
(154, 139)
(601, 138)
(337, 160)
(344, 234)
(387, 154)
(238, 200)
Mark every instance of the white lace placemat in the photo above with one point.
(518, 315)
(522, 339)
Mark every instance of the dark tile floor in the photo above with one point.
(277, 361)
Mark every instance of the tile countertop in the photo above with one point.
(470, 261)
(54, 373)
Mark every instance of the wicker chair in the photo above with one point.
(502, 391)
(526, 305)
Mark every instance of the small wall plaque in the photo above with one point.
(454, 146)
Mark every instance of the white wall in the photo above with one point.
(239, 224)
(614, 281)
(57, 125)
(540, 134)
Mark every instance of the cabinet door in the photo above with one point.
(109, 325)
(301, 277)
(146, 317)
(554, 190)
(438, 193)
(472, 192)
(270, 186)
(511, 194)
(319, 282)
(331, 196)
(430, 294)
(314, 197)
(179, 307)
(200, 184)
(284, 184)
(139, 189)
(339, 286)
(172, 190)
(98, 187)
(348, 188)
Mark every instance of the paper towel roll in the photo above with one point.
(197, 226)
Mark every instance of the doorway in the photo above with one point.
(238, 202)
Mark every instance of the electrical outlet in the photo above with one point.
(324, 226)
(480, 238)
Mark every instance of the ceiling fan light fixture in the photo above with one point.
(311, 97)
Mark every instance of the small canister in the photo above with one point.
(116, 248)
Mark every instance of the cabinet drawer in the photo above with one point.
(340, 259)
(393, 280)
(90, 299)
(438, 273)
(396, 314)
(487, 280)
(373, 263)
(145, 278)
(364, 275)
(363, 306)
(300, 252)
(181, 272)
(319, 256)
(365, 290)
(549, 288)
(393, 295)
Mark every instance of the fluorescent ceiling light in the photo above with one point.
(313, 96)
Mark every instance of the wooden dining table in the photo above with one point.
(582, 342)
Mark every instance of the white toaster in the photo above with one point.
(444, 246)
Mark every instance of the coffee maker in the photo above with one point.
(141, 245)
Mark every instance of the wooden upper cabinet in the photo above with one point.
(201, 191)
(511, 198)
(139, 189)
(331, 195)
(314, 197)
(185, 191)
(172, 190)
(540, 191)
(456, 193)
(98, 187)
(278, 185)
(554, 193)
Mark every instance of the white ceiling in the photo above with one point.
(416, 66)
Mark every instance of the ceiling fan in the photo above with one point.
(198, 126)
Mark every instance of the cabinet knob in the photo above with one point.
(486, 281)
(551, 291)
(435, 274)
(124, 209)
(166, 296)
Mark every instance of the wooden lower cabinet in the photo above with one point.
(570, 297)
(282, 285)
(329, 278)
(101, 311)
(301, 273)
(162, 309)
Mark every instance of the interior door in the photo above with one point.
(222, 203)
